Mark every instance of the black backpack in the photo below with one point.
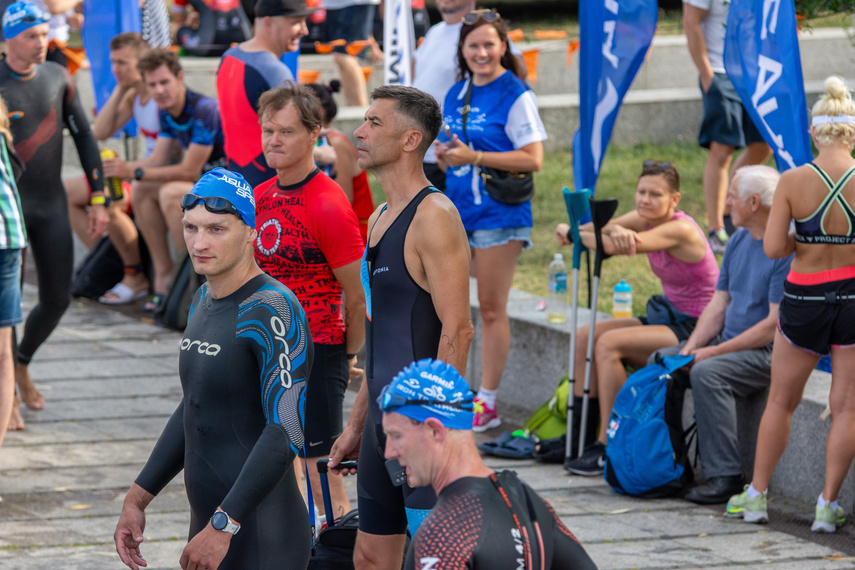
(174, 308)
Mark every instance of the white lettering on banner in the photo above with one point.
(612, 6)
(773, 21)
(609, 29)
(604, 108)
(769, 71)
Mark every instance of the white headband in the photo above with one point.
(823, 119)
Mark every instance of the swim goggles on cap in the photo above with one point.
(213, 204)
(390, 401)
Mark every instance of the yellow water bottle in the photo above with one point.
(113, 186)
(622, 301)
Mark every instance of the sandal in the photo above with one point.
(519, 447)
(121, 294)
(489, 446)
(155, 304)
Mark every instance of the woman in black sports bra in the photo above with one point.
(818, 310)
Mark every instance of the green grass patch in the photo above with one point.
(620, 171)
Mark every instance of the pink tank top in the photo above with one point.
(689, 286)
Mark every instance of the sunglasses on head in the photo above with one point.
(488, 16)
(213, 204)
(657, 166)
(391, 401)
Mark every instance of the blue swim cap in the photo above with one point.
(20, 16)
(430, 389)
(222, 183)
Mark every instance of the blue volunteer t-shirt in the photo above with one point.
(752, 280)
(503, 117)
(198, 123)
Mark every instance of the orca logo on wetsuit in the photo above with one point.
(205, 348)
(284, 360)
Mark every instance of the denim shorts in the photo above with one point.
(10, 287)
(725, 119)
(351, 24)
(480, 239)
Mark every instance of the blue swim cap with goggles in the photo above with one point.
(223, 192)
(430, 389)
(20, 16)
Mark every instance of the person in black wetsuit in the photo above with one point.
(245, 359)
(416, 279)
(42, 100)
(482, 519)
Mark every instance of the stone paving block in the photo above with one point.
(39, 433)
(163, 346)
(67, 478)
(83, 503)
(167, 384)
(164, 526)
(77, 454)
(34, 532)
(76, 349)
(591, 528)
(121, 367)
(757, 547)
(146, 428)
(143, 406)
(643, 554)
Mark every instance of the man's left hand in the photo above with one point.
(98, 220)
(355, 372)
(704, 352)
(206, 550)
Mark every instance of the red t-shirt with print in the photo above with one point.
(304, 232)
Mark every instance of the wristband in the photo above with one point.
(570, 235)
(99, 201)
(351, 356)
(479, 158)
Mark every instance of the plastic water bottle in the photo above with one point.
(555, 303)
(622, 301)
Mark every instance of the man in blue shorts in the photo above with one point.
(189, 122)
(483, 520)
(726, 125)
(244, 363)
(351, 21)
(415, 273)
(732, 342)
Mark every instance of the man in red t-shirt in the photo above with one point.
(309, 240)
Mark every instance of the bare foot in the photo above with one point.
(28, 392)
(16, 422)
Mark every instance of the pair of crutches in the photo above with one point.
(578, 203)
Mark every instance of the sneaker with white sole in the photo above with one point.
(485, 416)
(828, 519)
(591, 462)
(718, 240)
(748, 509)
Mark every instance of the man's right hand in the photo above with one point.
(345, 447)
(706, 82)
(129, 536)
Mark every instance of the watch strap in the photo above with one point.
(101, 200)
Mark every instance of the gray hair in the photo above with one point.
(756, 179)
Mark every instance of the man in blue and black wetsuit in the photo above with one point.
(189, 123)
(42, 100)
(416, 279)
(244, 362)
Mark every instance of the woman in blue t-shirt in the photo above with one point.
(502, 130)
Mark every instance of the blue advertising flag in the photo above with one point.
(761, 57)
(105, 19)
(614, 36)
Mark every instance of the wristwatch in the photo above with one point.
(221, 521)
(138, 173)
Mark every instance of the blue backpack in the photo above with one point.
(647, 452)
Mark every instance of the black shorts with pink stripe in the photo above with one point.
(819, 316)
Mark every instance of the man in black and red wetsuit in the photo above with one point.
(416, 279)
(245, 360)
(482, 519)
(42, 100)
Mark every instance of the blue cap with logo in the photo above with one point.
(430, 389)
(20, 16)
(231, 186)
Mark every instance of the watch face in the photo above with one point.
(219, 520)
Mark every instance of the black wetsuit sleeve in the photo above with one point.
(84, 139)
(568, 553)
(275, 327)
(167, 458)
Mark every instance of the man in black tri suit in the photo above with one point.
(244, 361)
(42, 100)
(483, 520)
(416, 279)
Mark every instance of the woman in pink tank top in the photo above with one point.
(680, 256)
